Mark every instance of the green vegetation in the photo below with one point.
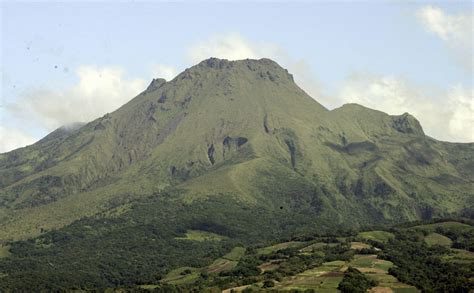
(377, 269)
(139, 247)
(438, 239)
(400, 264)
(227, 262)
(201, 236)
(279, 246)
(426, 267)
(355, 282)
(382, 236)
(183, 275)
(449, 225)
(460, 256)
(4, 251)
(235, 254)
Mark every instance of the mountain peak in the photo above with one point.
(216, 63)
(406, 123)
(220, 63)
(264, 67)
(155, 84)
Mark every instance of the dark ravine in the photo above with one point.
(210, 154)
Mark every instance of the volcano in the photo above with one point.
(233, 148)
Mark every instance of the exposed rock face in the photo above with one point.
(406, 123)
(154, 85)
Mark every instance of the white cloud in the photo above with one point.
(455, 29)
(235, 47)
(164, 71)
(461, 105)
(231, 46)
(445, 115)
(12, 138)
(447, 27)
(383, 93)
(98, 91)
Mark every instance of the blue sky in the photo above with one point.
(338, 51)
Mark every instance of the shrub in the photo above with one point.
(355, 282)
(268, 284)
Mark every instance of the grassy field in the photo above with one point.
(460, 256)
(324, 278)
(269, 266)
(381, 236)
(316, 246)
(4, 251)
(227, 262)
(359, 245)
(235, 254)
(197, 235)
(447, 225)
(438, 239)
(183, 275)
(377, 269)
(279, 246)
(235, 289)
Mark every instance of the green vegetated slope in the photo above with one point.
(126, 254)
(341, 261)
(228, 153)
(401, 262)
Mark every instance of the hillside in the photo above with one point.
(233, 148)
(390, 259)
(403, 262)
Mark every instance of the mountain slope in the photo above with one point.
(241, 130)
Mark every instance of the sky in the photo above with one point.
(73, 61)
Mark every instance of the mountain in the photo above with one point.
(234, 148)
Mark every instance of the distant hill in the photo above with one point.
(233, 148)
